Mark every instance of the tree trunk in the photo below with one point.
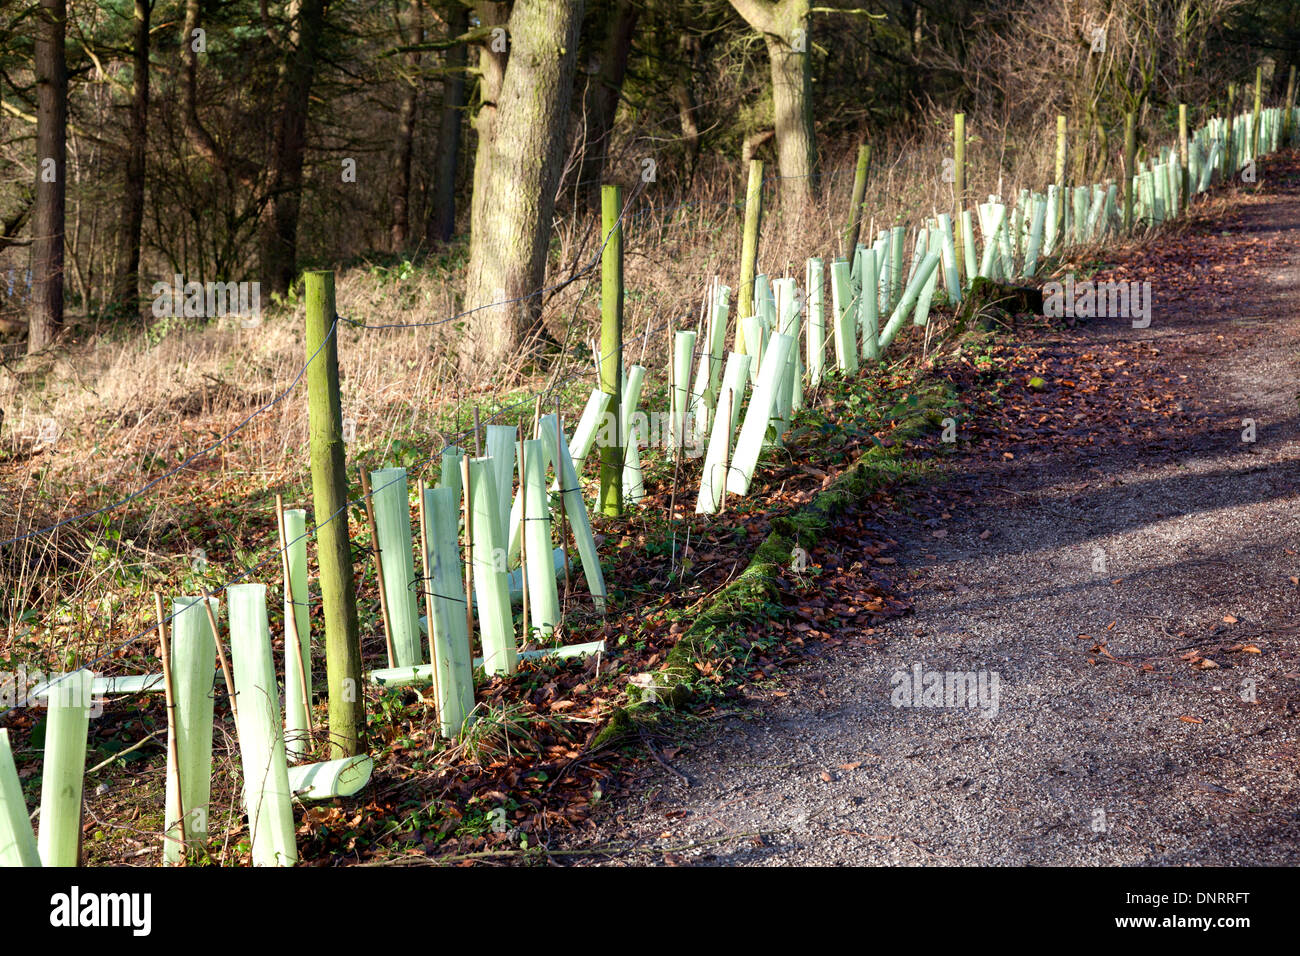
(492, 72)
(441, 221)
(515, 187)
(600, 102)
(785, 27)
(126, 284)
(401, 227)
(46, 314)
(279, 251)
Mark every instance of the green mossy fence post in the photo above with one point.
(1130, 151)
(749, 248)
(1184, 177)
(1229, 168)
(959, 178)
(854, 228)
(1259, 108)
(1290, 107)
(329, 482)
(611, 349)
(1060, 171)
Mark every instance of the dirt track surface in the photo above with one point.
(1095, 572)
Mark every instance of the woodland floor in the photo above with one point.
(1114, 551)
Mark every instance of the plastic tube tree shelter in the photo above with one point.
(815, 282)
(393, 525)
(491, 580)
(633, 382)
(543, 596)
(267, 797)
(67, 698)
(968, 243)
(501, 449)
(951, 272)
(331, 778)
(683, 352)
(448, 628)
(17, 841)
(297, 629)
(762, 401)
(571, 499)
(869, 308)
(897, 236)
(193, 672)
(844, 332)
(704, 388)
(1035, 239)
(584, 436)
(730, 399)
(792, 377)
(910, 296)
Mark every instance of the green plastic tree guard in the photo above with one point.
(576, 509)
(910, 296)
(951, 275)
(491, 580)
(584, 436)
(897, 236)
(844, 331)
(297, 740)
(683, 352)
(730, 399)
(449, 629)
(393, 523)
(500, 444)
(17, 841)
(869, 308)
(68, 703)
(193, 669)
(814, 280)
(543, 597)
(267, 798)
(968, 243)
(331, 778)
(761, 404)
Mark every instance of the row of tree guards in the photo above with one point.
(487, 542)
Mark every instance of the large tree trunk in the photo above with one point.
(126, 284)
(401, 227)
(46, 314)
(515, 189)
(441, 221)
(785, 27)
(491, 77)
(601, 99)
(279, 252)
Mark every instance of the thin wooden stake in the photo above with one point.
(293, 616)
(173, 748)
(379, 566)
(225, 664)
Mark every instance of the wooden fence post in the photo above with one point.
(611, 349)
(1184, 179)
(749, 248)
(329, 482)
(854, 228)
(959, 179)
(1130, 152)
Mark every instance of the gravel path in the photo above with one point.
(1157, 545)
